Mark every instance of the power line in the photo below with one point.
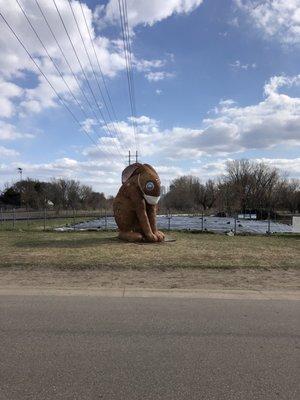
(65, 58)
(50, 84)
(52, 60)
(129, 52)
(92, 68)
(126, 39)
(83, 72)
(131, 69)
(126, 42)
(101, 72)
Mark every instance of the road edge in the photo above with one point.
(229, 294)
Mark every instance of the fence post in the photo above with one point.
(1, 215)
(169, 216)
(269, 223)
(45, 217)
(74, 219)
(14, 218)
(105, 216)
(202, 222)
(235, 221)
(27, 219)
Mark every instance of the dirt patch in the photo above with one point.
(239, 278)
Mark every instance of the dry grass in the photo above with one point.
(37, 224)
(102, 250)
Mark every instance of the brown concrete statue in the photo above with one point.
(136, 202)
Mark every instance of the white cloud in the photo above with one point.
(10, 132)
(14, 62)
(223, 34)
(291, 166)
(232, 129)
(143, 120)
(101, 175)
(5, 152)
(158, 92)
(147, 12)
(148, 65)
(176, 151)
(36, 94)
(276, 18)
(234, 22)
(239, 65)
(104, 177)
(88, 125)
(158, 76)
(227, 102)
(277, 82)
(273, 121)
(8, 91)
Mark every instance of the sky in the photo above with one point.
(213, 81)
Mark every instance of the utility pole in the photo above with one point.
(136, 157)
(20, 170)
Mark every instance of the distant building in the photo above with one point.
(296, 224)
(163, 190)
(247, 216)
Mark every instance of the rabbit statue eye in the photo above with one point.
(149, 186)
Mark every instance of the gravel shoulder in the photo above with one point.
(185, 278)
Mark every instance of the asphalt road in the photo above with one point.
(80, 347)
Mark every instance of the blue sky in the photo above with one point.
(213, 81)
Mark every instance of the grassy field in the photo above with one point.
(96, 250)
(37, 224)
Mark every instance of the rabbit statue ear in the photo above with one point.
(130, 171)
(150, 166)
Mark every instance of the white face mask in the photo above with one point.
(151, 199)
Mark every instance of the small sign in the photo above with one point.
(247, 216)
(296, 224)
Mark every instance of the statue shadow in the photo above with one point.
(69, 243)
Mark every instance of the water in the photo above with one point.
(184, 222)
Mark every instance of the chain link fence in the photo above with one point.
(67, 220)
(45, 219)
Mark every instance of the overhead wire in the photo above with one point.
(51, 58)
(54, 63)
(125, 11)
(101, 73)
(131, 70)
(126, 39)
(65, 58)
(84, 74)
(93, 71)
(62, 101)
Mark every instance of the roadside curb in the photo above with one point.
(226, 294)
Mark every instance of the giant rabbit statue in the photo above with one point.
(135, 204)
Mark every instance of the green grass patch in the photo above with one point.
(84, 250)
(38, 224)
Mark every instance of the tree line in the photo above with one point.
(246, 186)
(60, 194)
